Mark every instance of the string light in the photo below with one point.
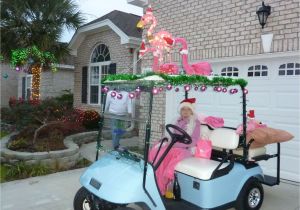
(36, 80)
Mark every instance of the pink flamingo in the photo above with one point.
(200, 68)
(157, 42)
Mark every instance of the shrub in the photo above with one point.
(18, 144)
(20, 170)
(90, 119)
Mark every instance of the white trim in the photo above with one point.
(65, 66)
(256, 57)
(80, 34)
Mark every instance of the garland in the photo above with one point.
(180, 79)
(32, 54)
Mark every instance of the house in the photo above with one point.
(227, 33)
(19, 84)
(107, 45)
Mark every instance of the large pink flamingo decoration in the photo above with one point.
(158, 44)
(200, 68)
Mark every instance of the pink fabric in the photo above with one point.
(165, 172)
(203, 149)
(215, 122)
(182, 123)
(251, 125)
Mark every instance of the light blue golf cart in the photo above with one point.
(120, 178)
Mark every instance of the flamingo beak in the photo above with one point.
(140, 24)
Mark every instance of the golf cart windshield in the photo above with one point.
(131, 129)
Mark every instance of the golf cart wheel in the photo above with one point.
(251, 196)
(83, 201)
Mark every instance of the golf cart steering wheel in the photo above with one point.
(181, 137)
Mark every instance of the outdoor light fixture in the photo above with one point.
(263, 14)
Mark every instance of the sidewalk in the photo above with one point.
(56, 191)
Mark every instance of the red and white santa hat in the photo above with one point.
(251, 114)
(189, 102)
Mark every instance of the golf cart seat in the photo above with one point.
(205, 169)
(253, 152)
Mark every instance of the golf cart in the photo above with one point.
(231, 178)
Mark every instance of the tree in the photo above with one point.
(28, 23)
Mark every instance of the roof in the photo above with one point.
(125, 21)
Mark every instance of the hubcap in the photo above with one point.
(86, 205)
(254, 197)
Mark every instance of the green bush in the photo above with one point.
(90, 119)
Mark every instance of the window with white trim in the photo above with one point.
(26, 86)
(230, 71)
(289, 69)
(258, 71)
(99, 68)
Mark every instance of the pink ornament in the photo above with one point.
(113, 94)
(219, 89)
(18, 68)
(235, 90)
(187, 87)
(161, 89)
(131, 95)
(203, 88)
(176, 89)
(105, 89)
(196, 88)
(155, 91)
(120, 96)
(169, 87)
(246, 91)
(224, 90)
(138, 89)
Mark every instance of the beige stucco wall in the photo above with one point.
(9, 85)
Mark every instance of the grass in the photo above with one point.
(3, 133)
(21, 170)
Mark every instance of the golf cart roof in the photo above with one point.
(153, 79)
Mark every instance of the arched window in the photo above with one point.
(258, 71)
(230, 71)
(289, 69)
(100, 54)
(98, 69)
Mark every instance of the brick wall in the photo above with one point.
(118, 53)
(225, 28)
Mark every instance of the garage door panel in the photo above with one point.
(286, 100)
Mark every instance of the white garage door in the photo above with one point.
(275, 99)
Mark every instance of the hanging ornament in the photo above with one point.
(155, 90)
(113, 94)
(219, 89)
(224, 90)
(131, 95)
(161, 89)
(196, 88)
(176, 89)
(169, 87)
(138, 89)
(105, 89)
(18, 68)
(246, 91)
(120, 96)
(203, 88)
(235, 90)
(187, 87)
(5, 75)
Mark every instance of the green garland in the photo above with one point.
(21, 56)
(180, 79)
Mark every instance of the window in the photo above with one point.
(289, 69)
(26, 87)
(99, 68)
(258, 71)
(230, 71)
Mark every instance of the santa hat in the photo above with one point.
(189, 102)
(251, 114)
(149, 10)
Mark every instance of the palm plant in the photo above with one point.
(27, 23)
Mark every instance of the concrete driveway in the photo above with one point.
(56, 192)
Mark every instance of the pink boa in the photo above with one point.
(165, 172)
(251, 125)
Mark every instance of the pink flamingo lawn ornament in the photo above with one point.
(200, 68)
(157, 42)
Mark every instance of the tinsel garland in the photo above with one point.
(180, 79)
(22, 56)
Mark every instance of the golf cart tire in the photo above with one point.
(252, 186)
(80, 197)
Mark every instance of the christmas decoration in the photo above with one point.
(203, 88)
(187, 87)
(169, 87)
(224, 90)
(245, 91)
(119, 96)
(113, 94)
(155, 91)
(5, 75)
(131, 95)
